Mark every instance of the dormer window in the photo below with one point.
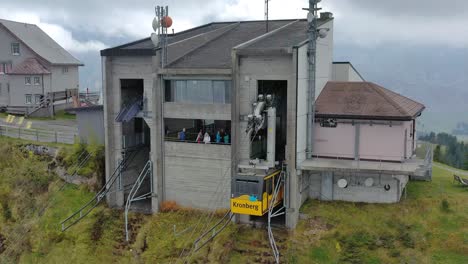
(15, 49)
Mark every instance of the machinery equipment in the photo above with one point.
(254, 185)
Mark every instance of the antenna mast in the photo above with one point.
(266, 14)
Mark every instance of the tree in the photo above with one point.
(437, 153)
(465, 161)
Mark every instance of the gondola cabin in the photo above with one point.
(253, 193)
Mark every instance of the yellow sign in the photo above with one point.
(28, 125)
(10, 118)
(20, 121)
(243, 205)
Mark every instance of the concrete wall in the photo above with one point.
(197, 175)
(91, 126)
(114, 69)
(358, 192)
(344, 72)
(251, 71)
(324, 73)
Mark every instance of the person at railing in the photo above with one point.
(207, 138)
(199, 137)
(218, 137)
(182, 135)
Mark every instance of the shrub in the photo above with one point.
(445, 206)
(169, 206)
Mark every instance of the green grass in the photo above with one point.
(429, 226)
(59, 115)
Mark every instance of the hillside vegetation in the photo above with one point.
(429, 226)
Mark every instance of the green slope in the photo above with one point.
(429, 226)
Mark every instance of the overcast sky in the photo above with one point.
(87, 25)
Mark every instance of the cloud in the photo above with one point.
(57, 32)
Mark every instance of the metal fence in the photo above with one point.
(38, 135)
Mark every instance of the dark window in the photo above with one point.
(15, 48)
(218, 130)
(330, 122)
(198, 91)
(246, 187)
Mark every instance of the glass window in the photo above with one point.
(28, 99)
(27, 80)
(37, 99)
(65, 69)
(198, 91)
(37, 81)
(15, 48)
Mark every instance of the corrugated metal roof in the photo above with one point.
(364, 100)
(29, 66)
(39, 42)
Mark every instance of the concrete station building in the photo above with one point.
(363, 136)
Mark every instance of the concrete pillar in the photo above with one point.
(157, 137)
(294, 188)
(326, 193)
(113, 199)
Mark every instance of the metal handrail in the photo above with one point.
(93, 203)
(147, 170)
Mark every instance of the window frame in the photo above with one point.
(39, 80)
(65, 69)
(26, 82)
(30, 98)
(184, 91)
(37, 98)
(15, 45)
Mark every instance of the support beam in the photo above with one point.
(357, 140)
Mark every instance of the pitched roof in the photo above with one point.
(365, 100)
(40, 43)
(29, 66)
(210, 46)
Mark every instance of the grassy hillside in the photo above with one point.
(429, 226)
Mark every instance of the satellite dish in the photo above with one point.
(156, 24)
(369, 182)
(155, 39)
(342, 183)
(323, 32)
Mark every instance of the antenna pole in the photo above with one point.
(266, 14)
(311, 52)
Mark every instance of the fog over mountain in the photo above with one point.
(418, 48)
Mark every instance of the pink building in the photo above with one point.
(364, 144)
(364, 121)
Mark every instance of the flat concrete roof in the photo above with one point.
(408, 167)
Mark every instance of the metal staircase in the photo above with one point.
(133, 196)
(94, 202)
(43, 103)
(129, 112)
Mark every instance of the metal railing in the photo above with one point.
(133, 196)
(94, 202)
(45, 136)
